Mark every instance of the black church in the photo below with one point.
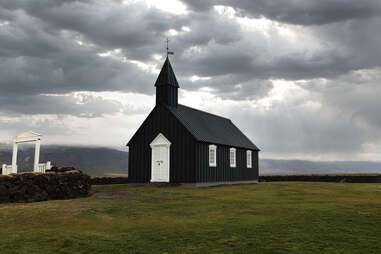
(179, 144)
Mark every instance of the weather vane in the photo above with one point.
(169, 52)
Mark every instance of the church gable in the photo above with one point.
(182, 147)
(160, 120)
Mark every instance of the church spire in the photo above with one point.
(166, 85)
(167, 75)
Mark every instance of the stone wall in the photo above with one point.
(323, 178)
(100, 180)
(31, 187)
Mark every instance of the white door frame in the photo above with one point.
(160, 141)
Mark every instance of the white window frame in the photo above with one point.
(233, 159)
(212, 148)
(249, 159)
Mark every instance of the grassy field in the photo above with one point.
(275, 217)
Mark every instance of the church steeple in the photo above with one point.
(166, 86)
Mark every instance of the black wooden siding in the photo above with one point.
(182, 150)
(167, 95)
(223, 172)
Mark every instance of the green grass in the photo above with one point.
(276, 217)
(332, 174)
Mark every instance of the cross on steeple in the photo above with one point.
(169, 52)
(166, 84)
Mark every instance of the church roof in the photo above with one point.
(206, 127)
(167, 76)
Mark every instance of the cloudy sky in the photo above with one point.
(300, 77)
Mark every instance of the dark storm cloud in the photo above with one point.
(356, 95)
(111, 25)
(339, 120)
(358, 38)
(337, 49)
(86, 106)
(52, 47)
(35, 59)
(300, 12)
(40, 53)
(292, 129)
(251, 89)
(82, 72)
(234, 87)
(338, 116)
(251, 61)
(43, 33)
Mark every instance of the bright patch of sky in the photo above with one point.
(4, 23)
(282, 91)
(171, 6)
(292, 34)
(118, 55)
(195, 78)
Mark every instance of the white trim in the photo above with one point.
(249, 158)
(28, 136)
(160, 141)
(214, 162)
(233, 160)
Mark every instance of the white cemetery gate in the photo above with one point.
(24, 138)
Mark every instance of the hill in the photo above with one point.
(98, 161)
(297, 167)
(94, 161)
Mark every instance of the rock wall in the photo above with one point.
(100, 180)
(323, 178)
(31, 187)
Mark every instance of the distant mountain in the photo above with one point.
(98, 161)
(94, 161)
(4, 147)
(269, 166)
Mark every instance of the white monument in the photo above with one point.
(25, 137)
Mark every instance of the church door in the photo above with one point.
(160, 159)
